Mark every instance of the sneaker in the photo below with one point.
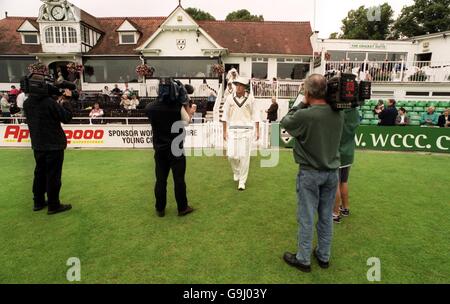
(337, 219)
(345, 212)
(161, 213)
(60, 209)
(241, 187)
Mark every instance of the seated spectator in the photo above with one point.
(14, 91)
(126, 102)
(388, 116)
(5, 105)
(116, 91)
(379, 107)
(444, 119)
(430, 118)
(402, 118)
(96, 111)
(134, 102)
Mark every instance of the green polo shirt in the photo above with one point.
(348, 145)
(318, 131)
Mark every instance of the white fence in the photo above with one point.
(393, 71)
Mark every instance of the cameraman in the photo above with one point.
(317, 130)
(171, 107)
(44, 117)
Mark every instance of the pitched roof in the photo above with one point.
(268, 37)
(11, 40)
(109, 43)
(90, 20)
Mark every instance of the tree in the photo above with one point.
(424, 16)
(372, 23)
(199, 15)
(334, 35)
(243, 15)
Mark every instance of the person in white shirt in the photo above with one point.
(229, 90)
(20, 99)
(240, 117)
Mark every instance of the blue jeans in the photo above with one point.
(316, 191)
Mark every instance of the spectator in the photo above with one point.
(388, 116)
(5, 106)
(14, 91)
(116, 91)
(431, 118)
(272, 112)
(197, 118)
(134, 102)
(126, 102)
(127, 90)
(211, 100)
(96, 111)
(379, 107)
(229, 91)
(60, 77)
(402, 118)
(105, 94)
(444, 119)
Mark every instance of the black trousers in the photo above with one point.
(164, 162)
(47, 177)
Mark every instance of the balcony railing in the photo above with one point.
(393, 71)
(280, 89)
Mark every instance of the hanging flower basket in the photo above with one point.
(38, 67)
(143, 70)
(327, 56)
(217, 69)
(74, 68)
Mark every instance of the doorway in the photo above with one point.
(60, 67)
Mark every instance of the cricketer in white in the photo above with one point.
(240, 119)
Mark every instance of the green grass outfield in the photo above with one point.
(400, 214)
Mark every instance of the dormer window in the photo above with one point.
(128, 33)
(30, 38)
(29, 33)
(128, 38)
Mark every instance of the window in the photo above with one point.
(57, 35)
(291, 71)
(12, 69)
(183, 67)
(111, 70)
(60, 34)
(259, 70)
(64, 34)
(30, 38)
(72, 35)
(127, 38)
(49, 38)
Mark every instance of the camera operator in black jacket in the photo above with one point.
(44, 117)
(168, 116)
